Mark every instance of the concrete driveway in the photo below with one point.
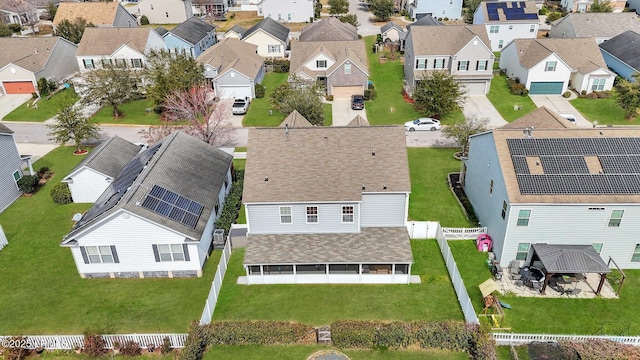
(8, 103)
(479, 106)
(560, 105)
(360, 8)
(342, 113)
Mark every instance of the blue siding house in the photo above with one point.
(451, 9)
(622, 55)
(193, 37)
(10, 172)
(327, 205)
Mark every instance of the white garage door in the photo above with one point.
(341, 92)
(476, 88)
(233, 92)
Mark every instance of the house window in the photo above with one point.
(347, 68)
(167, 13)
(597, 247)
(493, 29)
(16, 175)
(463, 65)
(106, 62)
(636, 254)
(421, 63)
(481, 65)
(347, 214)
(510, 27)
(136, 63)
(550, 66)
(98, 254)
(504, 209)
(598, 84)
(285, 215)
(532, 29)
(312, 214)
(616, 218)
(173, 252)
(523, 217)
(321, 64)
(438, 64)
(216, 207)
(88, 63)
(289, 17)
(273, 48)
(523, 251)
(121, 63)
(226, 183)
(279, 17)
(491, 188)
(500, 44)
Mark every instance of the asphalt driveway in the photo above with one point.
(480, 107)
(342, 113)
(560, 105)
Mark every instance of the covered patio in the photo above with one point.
(374, 256)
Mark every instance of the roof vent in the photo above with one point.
(363, 187)
(286, 129)
(373, 153)
(266, 178)
(384, 187)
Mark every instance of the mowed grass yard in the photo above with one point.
(603, 111)
(258, 113)
(46, 109)
(389, 107)
(433, 299)
(297, 352)
(559, 315)
(133, 113)
(505, 102)
(42, 293)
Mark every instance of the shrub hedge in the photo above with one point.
(61, 194)
(29, 183)
(279, 65)
(604, 349)
(196, 343)
(257, 332)
(516, 87)
(231, 204)
(260, 91)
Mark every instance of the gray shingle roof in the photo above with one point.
(390, 25)
(625, 47)
(329, 29)
(182, 164)
(110, 157)
(192, 30)
(234, 54)
(161, 31)
(238, 30)
(304, 51)
(21, 51)
(445, 40)
(601, 24)
(5, 130)
(580, 54)
(325, 163)
(425, 21)
(270, 26)
(570, 259)
(371, 245)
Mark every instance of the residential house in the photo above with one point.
(165, 11)
(358, 121)
(340, 66)
(427, 20)
(622, 54)
(551, 66)
(100, 14)
(27, 18)
(600, 26)
(193, 37)
(156, 219)
(10, 168)
(25, 60)
(232, 68)
(541, 179)
(460, 50)
(313, 216)
(236, 32)
(271, 38)
(298, 11)
(123, 47)
(295, 119)
(507, 20)
(215, 8)
(392, 32)
(93, 175)
(451, 9)
(582, 6)
(328, 29)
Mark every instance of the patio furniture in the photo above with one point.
(535, 284)
(573, 292)
(516, 277)
(514, 267)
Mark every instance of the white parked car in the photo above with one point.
(422, 124)
(240, 106)
(570, 117)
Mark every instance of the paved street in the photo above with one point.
(361, 10)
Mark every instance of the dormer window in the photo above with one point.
(321, 64)
(347, 68)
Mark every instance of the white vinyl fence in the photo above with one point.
(69, 342)
(216, 284)
(422, 229)
(3, 239)
(463, 233)
(524, 339)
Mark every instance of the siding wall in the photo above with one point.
(9, 163)
(62, 63)
(519, 31)
(563, 29)
(339, 78)
(124, 19)
(165, 11)
(299, 11)
(409, 61)
(510, 62)
(538, 73)
(265, 219)
(262, 40)
(87, 185)
(383, 209)
(446, 8)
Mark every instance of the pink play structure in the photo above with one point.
(484, 243)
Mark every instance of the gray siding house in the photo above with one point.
(541, 179)
(315, 217)
(10, 168)
(601, 26)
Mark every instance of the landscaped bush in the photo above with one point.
(329, 97)
(45, 87)
(370, 94)
(61, 194)
(231, 204)
(354, 334)
(260, 91)
(279, 65)
(130, 348)
(17, 352)
(28, 183)
(566, 94)
(257, 333)
(94, 344)
(16, 28)
(166, 346)
(516, 87)
(604, 349)
(603, 94)
(395, 335)
(196, 343)
(144, 20)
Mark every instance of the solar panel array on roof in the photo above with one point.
(565, 167)
(173, 206)
(512, 11)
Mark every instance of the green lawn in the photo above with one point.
(297, 352)
(433, 299)
(70, 355)
(134, 113)
(46, 109)
(504, 101)
(258, 114)
(328, 115)
(603, 111)
(42, 293)
(430, 197)
(559, 315)
(389, 106)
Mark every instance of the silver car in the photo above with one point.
(240, 106)
(422, 124)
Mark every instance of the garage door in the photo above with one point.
(542, 88)
(18, 87)
(232, 92)
(346, 91)
(476, 88)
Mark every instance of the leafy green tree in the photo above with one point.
(599, 6)
(553, 16)
(111, 86)
(4, 30)
(167, 73)
(461, 132)
(627, 96)
(71, 125)
(438, 94)
(470, 10)
(338, 7)
(350, 19)
(72, 31)
(382, 9)
(301, 96)
(51, 9)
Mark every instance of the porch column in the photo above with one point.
(603, 277)
(546, 281)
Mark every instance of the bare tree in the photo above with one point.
(201, 118)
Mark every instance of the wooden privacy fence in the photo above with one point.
(69, 342)
(216, 284)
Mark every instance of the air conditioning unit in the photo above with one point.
(218, 236)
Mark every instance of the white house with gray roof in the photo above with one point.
(99, 168)
(156, 219)
(541, 179)
(314, 217)
(10, 168)
(600, 26)
(505, 21)
(271, 38)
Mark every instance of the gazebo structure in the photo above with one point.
(569, 259)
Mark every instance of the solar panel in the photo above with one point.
(173, 206)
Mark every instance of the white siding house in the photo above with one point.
(507, 20)
(418, 9)
(165, 11)
(271, 38)
(298, 11)
(10, 168)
